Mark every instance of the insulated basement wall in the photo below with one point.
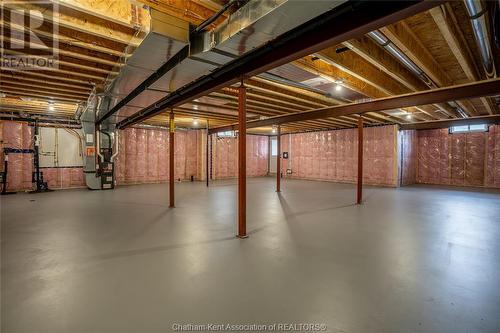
(471, 159)
(225, 156)
(144, 155)
(409, 156)
(19, 135)
(333, 155)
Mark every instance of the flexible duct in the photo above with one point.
(478, 19)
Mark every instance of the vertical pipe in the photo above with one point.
(207, 157)
(242, 165)
(278, 160)
(171, 159)
(360, 160)
(211, 145)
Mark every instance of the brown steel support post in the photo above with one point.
(171, 159)
(360, 160)
(278, 160)
(207, 156)
(242, 165)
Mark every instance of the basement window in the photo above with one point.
(469, 128)
(226, 134)
(274, 147)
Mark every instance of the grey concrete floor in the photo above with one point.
(414, 259)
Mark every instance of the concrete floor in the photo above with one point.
(413, 259)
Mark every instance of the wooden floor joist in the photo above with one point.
(464, 91)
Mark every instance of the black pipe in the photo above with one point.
(167, 66)
(206, 162)
(4, 176)
(351, 19)
(214, 17)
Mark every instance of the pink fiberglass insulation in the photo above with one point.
(143, 156)
(380, 155)
(191, 154)
(475, 148)
(120, 163)
(180, 155)
(257, 155)
(152, 156)
(409, 155)
(285, 147)
(130, 155)
(332, 155)
(433, 157)
(225, 156)
(459, 159)
(62, 178)
(493, 157)
(163, 167)
(18, 135)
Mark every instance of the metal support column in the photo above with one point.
(171, 159)
(207, 157)
(360, 160)
(278, 160)
(242, 165)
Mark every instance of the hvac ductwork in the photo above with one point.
(249, 27)
(167, 37)
(479, 26)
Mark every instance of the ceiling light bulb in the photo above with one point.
(274, 130)
(51, 107)
(408, 116)
(338, 87)
(195, 122)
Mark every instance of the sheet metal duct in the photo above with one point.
(479, 26)
(92, 181)
(167, 36)
(250, 26)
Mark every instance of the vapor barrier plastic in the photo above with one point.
(433, 157)
(333, 155)
(493, 157)
(225, 156)
(466, 159)
(409, 157)
(63, 178)
(17, 135)
(143, 156)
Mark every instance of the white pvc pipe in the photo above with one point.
(116, 144)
